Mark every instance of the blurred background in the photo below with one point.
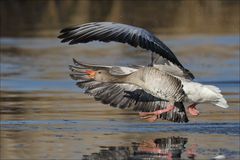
(45, 18)
(45, 116)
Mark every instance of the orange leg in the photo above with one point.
(152, 116)
(193, 110)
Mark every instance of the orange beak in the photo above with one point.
(91, 73)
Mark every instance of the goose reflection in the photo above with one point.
(170, 148)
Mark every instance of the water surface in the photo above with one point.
(44, 115)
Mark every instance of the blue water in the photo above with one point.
(228, 128)
(44, 114)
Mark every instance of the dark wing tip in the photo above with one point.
(60, 36)
(71, 43)
(110, 31)
(63, 40)
(189, 74)
(75, 61)
(73, 77)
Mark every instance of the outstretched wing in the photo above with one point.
(109, 31)
(125, 96)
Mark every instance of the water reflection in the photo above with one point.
(171, 147)
(168, 148)
(45, 116)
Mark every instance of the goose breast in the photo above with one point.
(159, 83)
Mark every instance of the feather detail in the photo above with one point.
(109, 31)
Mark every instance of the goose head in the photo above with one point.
(99, 75)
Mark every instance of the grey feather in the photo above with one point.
(109, 31)
(125, 96)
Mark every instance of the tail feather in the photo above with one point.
(124, 96)
(221, 102)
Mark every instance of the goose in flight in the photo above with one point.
(110, 31)
(148, 90)
(158, 91)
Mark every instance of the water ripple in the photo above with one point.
(228, 128)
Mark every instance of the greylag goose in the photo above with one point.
(131, 88)
(156, 91)
(109, 31)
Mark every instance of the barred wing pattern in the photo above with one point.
(109, 31)
(160, 84)
(125, 96)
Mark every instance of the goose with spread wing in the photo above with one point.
(156, 91)
(110, 31)
(148, 90)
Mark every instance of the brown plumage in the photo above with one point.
(152, 90)
(151, 80)
(145, 89)
(132, 35)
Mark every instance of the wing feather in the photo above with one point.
(119, 95)
(109, 31)
(123, 95)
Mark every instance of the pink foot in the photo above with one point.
(152, 116)
(193, 110)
